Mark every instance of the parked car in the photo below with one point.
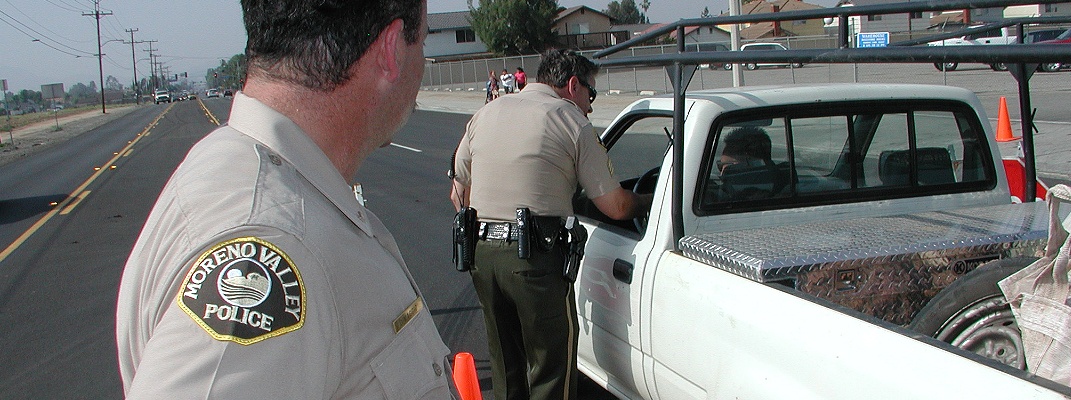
(764, 46)
(1042, 35)
(1063, 38)
(708, 47)
(993, 36)
(1038, 36)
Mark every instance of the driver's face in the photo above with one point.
(725, 161)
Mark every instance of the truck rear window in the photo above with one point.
(849, 153)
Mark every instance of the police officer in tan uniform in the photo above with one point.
(258, 275)
(530, 151)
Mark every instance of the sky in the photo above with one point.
(190, 36)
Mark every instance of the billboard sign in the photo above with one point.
(52, 91)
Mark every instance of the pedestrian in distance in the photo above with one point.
(492, 87)
(526, 154)
(258, 274)
(507, 81)
(521, 78)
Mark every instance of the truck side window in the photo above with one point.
(640, 147)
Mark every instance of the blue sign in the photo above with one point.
(872, 39)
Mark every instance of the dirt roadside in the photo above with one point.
(36, 137)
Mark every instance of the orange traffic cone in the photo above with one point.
(468, 385)
(1004, 131)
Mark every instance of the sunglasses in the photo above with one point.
(592, 93)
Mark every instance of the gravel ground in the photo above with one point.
(42, 135)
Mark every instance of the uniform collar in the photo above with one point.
(262, 123)
(548, 90)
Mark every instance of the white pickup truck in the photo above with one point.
(993, 36)
(854, 256)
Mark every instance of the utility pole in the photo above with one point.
(152, 63)
(134, 60)
(100, 57)
(734, 36)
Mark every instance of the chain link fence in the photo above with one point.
(472, 75)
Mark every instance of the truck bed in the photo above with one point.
(888, 267)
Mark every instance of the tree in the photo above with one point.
(81, 93)
(514, 27)
(229, 74)
(112, 84)
(625, 12)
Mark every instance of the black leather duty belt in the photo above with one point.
(498, 231)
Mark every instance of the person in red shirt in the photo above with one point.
(520, 79)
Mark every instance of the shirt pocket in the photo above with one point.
(409, 369)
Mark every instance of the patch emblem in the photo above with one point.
(244, 290)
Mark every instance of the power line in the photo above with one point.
(63, 6)
(45, 27)
(37, 36)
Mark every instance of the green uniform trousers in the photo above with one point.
(530, 314)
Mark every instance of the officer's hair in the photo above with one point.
(748, 141)
(314, 43)
(559, 65)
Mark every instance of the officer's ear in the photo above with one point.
(388, 50)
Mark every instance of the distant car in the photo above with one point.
(212, 93)
(1064, 39)
(767, 47)
(1042, 35)
(708, 47)
(162, 96)
(1038, 36)
(228, 93)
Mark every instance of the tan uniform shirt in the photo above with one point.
(259, 276)
(531, 149)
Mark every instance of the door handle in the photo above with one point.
(623, 271)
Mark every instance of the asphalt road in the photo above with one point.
(58, 282)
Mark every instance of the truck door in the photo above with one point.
(609, 298)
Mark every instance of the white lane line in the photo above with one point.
(407, 148)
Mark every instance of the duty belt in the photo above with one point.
(498, 231)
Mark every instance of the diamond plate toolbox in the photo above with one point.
(887, 267)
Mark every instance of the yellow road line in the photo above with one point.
(66, 202)
(77, 200)
(208, 113)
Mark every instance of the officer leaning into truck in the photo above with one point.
(515, 173)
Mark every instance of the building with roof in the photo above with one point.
(765, 30)
(451, 37)
(583, 27)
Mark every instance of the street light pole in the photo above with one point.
(100, 56)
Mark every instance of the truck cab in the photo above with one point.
(871, 199)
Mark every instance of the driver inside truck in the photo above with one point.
(746, 146)
(747, 170)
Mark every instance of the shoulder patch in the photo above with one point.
(244, 290)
